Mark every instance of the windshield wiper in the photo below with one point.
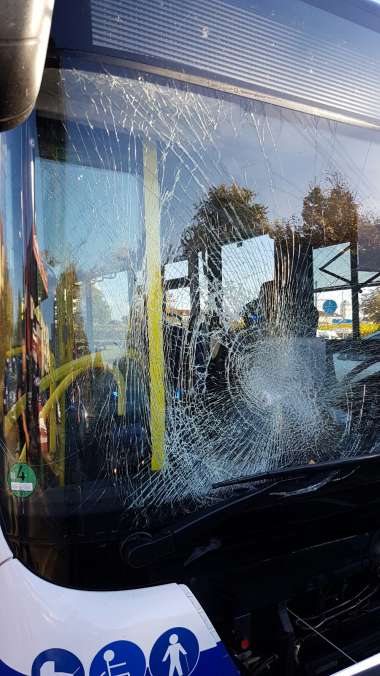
(167, 542)
(170, 541)
(296, 471)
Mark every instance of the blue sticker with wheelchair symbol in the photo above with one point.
(57, 662)
(175, 653)
(120, 658)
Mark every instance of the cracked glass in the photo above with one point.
(193, 297)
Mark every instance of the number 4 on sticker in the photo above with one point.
(21, 473)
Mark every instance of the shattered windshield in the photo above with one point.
(195, 299)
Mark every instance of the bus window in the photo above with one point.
(192, 292)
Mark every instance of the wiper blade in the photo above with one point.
(169, 542)
(297, 470)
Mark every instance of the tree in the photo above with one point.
(371, 306)
(225, 214)
(330, 216)
(101, 311)
(69, 336)
(313, 212)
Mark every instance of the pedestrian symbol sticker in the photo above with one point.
(175, 653)
(120, 658)
(22, 480)
(57, 662)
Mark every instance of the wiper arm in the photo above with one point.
(170, 541)
(166, 543)
(296, 471)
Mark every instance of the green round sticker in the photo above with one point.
(22, 480)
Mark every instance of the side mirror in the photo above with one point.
(24, 34)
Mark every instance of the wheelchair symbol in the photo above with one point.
(109, 656)
(120, 658)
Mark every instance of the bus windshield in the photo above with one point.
(190, 293)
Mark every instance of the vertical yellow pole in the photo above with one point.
(52, 416)
(154, 306)
(65, 349)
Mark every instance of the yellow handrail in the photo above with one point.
(67, 381)
(69, 371)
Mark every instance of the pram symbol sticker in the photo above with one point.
(175, 653)
(121, 658)
(57, 662)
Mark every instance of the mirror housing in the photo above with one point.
(24, 35)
